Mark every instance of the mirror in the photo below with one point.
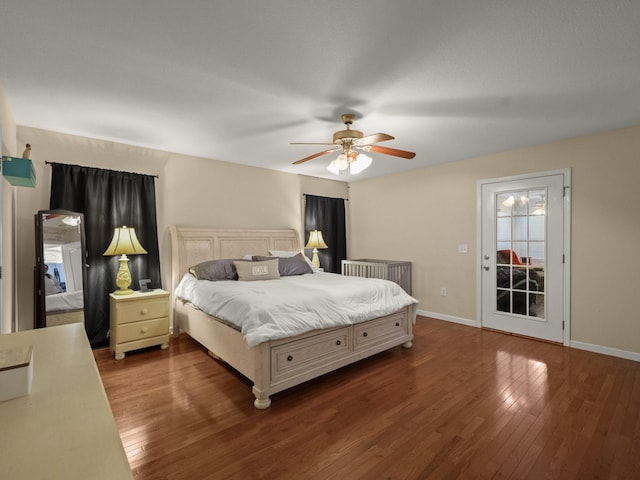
(60, 271)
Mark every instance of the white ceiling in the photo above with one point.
(238, 80)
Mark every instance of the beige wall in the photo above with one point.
(190, 191)
(8, 147)
(197, 192)
(423, 215)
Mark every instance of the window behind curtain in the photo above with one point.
(327, 215)
(108, 199)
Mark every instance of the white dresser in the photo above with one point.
(64, 428)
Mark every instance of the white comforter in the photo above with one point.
(272, 309)
(64, 301)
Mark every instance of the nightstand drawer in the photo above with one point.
(127, 312)
(145, 329)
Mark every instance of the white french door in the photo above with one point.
(524, 238)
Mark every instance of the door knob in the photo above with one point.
(486, 267)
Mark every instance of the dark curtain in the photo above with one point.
(327, 215)
(108, 199)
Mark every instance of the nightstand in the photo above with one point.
(138, 320)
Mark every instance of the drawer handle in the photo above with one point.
(144, 311)
(144, 330)
(289, 358)
(365, 334)
(397, 324)
(338, 342)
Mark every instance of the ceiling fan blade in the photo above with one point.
(375, 138)
(389, 151)
(315, 155)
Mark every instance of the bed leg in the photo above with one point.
(408, 344)
(262, 403)
(262, 400)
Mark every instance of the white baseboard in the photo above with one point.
(614, 352)
(448, 318)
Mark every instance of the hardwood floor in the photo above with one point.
(463, 403)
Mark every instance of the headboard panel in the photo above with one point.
(190, 246)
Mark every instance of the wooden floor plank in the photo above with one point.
(462, 403)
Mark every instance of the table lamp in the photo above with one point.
(124, 242)
(316, 241)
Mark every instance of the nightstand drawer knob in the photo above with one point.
(144, 330)
(144, 311)
(289, 358)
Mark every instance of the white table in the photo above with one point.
(64, 428)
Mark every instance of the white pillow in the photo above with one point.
(283, 253)
(288, 253)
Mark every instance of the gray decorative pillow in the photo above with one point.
(289, 253)
(289, 266)
(265, 270)
(214, 270)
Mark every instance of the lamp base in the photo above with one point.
(315, 260)
(123, 277)
(127, 291)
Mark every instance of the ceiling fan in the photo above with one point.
(349, 142)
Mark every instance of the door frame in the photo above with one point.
(566, 270)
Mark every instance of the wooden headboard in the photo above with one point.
(190, 246)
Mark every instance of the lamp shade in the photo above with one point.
(124, 242)
(316, 240)
(362, 162)
(333, 168)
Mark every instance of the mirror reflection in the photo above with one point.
(60, 254)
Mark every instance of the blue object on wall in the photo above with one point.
(19, 171)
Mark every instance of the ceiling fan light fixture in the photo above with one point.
(71, 220)
(362, 162)
(348, 141)
(339, 164)
(356, 165)
(333, 168)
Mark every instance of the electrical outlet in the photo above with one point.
(443, 292)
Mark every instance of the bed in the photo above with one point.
(277, 364)
(63, 308)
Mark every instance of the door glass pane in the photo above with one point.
(520, 228)
(504, 202)
(536, 227)
(522, 252)
(504, 245)
(504, 229)
(520, 259)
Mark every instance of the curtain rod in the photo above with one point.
(134, 173)
(305, 194)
